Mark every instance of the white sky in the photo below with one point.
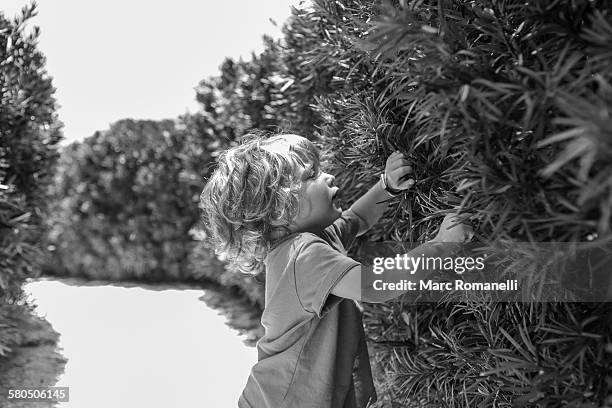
(115, 59)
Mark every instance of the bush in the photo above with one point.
(204, 266)
(29, 134)
(504, 111)
(125, 201)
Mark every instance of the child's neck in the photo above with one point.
(313, 229)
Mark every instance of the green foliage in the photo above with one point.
(504, 111)
(204, 266)
(246, 95)
(496, 354)
(491, 94)
(126, 200)
(29, 134)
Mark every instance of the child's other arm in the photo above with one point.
(371, 206)
(357, 285)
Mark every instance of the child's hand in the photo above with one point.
(398, 167)
(453, 233)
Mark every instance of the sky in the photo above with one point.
(116, 59)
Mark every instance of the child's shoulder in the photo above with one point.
(296, 241)
(290, 250)
(300, 244)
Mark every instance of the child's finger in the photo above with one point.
(393, 157)
(469, 234)
(406, 184)
(397, 164)
(394, 154)
(400, 172)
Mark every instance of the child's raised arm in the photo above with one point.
(352, 286)
(371, 206)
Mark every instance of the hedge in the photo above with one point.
(504, 111)
(29, 134)
(503, 107)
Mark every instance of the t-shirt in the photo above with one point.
(314, 352)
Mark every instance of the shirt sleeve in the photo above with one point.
(346, 227)
(318, 267)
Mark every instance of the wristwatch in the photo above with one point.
(391, 191)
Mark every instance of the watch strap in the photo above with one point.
(391, 191)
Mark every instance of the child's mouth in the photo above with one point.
(334, 200)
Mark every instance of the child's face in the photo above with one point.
(317, 209)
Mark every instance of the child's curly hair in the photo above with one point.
(252, 196)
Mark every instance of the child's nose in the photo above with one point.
(330, 177)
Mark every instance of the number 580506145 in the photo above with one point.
(59, 394)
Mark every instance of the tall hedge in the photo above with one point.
(29, 134)
(125, 200)
(504, 110)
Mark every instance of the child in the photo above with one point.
(269, 204)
